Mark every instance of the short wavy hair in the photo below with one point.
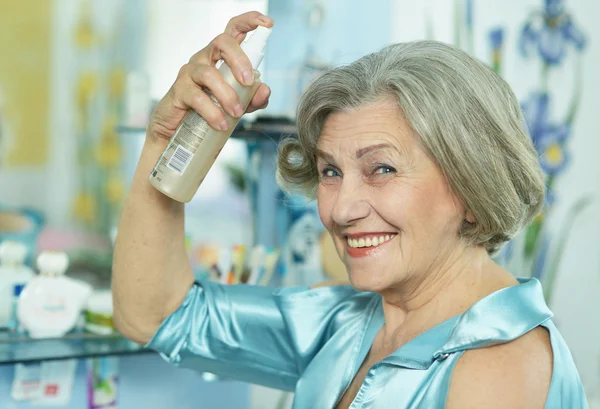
(466, 116)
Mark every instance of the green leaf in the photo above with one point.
(237, 177)
(578, 88)
(532, 235)
(565, 231)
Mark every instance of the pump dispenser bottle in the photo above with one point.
(195, 145)
(14, 274)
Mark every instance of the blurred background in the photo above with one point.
(78, 80)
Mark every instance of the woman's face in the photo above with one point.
(385, 202)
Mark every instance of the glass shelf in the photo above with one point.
(254, 131)
(19, 349)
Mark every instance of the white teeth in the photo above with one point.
(367, 242)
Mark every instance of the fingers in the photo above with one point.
(261, 98)
(189, 91)
(186, 93)
(200, 74)
(226, 46)
(209, 77)
(242, 24)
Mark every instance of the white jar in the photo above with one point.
(99, 313)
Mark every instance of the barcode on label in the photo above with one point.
(180, 159)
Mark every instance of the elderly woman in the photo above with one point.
(422, 169)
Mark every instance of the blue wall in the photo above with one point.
(349, 30)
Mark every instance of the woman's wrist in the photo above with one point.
(154, 142)
(149, 156)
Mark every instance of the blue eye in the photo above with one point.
(383, 169)
(329, 172)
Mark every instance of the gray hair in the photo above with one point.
(466, 116)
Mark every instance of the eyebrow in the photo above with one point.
(370, 149)
(359, 154)
(322, 154)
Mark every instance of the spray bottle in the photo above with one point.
(195, 145)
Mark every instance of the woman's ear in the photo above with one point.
(470, 217)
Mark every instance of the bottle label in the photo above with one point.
(180, 159)
(191, 133)
(185, 143)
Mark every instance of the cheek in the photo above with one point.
(437, 208)
(399, 198)
(324, 205)
(407, 204)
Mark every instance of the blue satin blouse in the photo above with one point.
(314, 341)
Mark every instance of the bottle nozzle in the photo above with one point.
(254, 45)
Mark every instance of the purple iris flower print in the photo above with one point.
(550, 32)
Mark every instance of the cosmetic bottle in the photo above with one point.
(51, 303)
(195, 145)
(14, 274)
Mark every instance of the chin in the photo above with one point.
(368, 281)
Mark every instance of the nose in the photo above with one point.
(350, 205)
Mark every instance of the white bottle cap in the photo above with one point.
(12, 252)
(254, 45)
(52, 262)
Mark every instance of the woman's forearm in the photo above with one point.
(151, 270)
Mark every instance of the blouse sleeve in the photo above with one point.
(255, 334)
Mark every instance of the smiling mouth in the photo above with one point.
(369, 241)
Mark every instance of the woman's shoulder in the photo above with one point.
(327, 315)
(329, 293)
(327, 308)
(511, 354)
(515, 374)
(326, 300)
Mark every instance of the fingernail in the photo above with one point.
(238, 110)
(248, 77)
(224, 126)
(265, 20)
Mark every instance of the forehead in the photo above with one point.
(378, 122)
